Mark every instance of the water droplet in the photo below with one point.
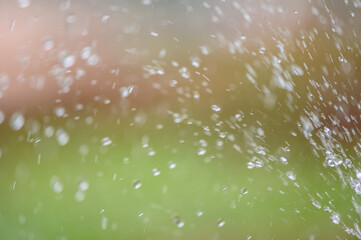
(196, 62)
(70, 18)
(220, 223)
(2, 117)
(215, 108)
(154, 34)
(93, 60)
(86, 52)
(56, 185)
(172, 165)
(137, 184)
(17, 121)
(283, 160)
(335, 218)
(62, 137)
(296, 70)
(59, 111)
(291, 176)
(106, 141)
(79, 196)
(201, 151)
(199, 213)
(49, 131)
(83, 185)
(48, 44)
(244, 190)
(184, 72)
(104, 223)
(24, 3)
(155, 171)
(126, 91)
(179, 222)
(316, 204)
(68, 61)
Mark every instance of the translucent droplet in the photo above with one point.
(17, 121)
(184, 72)
(104, 223)
(59, 111)
(196, 62)
(4, 82)
(316, 204)
(86, 52)
(215, 108)
(70, 18)
(335, 218)
(49, 131)
(106, 141)
(154, 34)
(93, 60)
(56, 185)
(199, 213)
(68, 61)
(83, 149)
(2, 117)
(137, 184)
(24, 3)
(220, 223)
(79, 196)
(48, 44)
(296, 70)
(126, 91)
(155, 171)
(83, 185)
(172, 165)
(291, 176)
(179, 222)
(62, 137)
(283, 160)
(201, 151)
(244, 190)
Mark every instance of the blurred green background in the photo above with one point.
(180, 120)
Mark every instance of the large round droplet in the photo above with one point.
(17, 121)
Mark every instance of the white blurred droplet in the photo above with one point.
(48, 44)
(56, 185)
(291, 176)
(86, 52)
(104, 223)
(215, 108)
(79, 196)
(2, 117)
(83, 185)
(93, 60)
(155, 171)
(68, 61)
(24, 3)
(172, 165)
(335, 218)
(62, 137)
(106, 141)
(137, 184)
(201, 151)
(17, 121)
(221, 223)
(126, 91)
